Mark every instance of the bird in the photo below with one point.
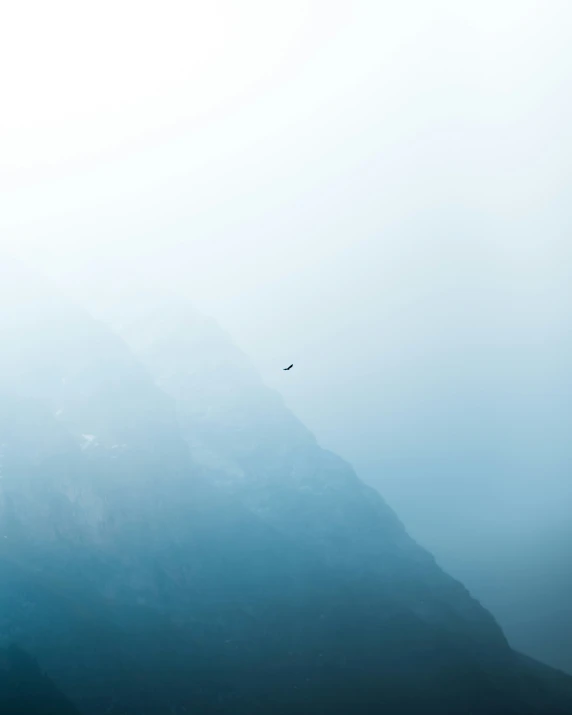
(289, 367)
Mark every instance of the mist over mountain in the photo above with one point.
(173, 539)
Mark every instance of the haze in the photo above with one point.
(376, 192)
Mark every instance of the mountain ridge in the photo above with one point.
(265, 576)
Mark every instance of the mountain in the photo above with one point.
(174, 540)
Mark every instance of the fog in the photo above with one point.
(374, 191)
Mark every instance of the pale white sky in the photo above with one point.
(296, 168)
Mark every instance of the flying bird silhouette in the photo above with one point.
(289, 367)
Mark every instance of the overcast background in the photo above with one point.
(376, 191)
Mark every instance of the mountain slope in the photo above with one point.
(259, 453)
(174, 540)
(25, 690)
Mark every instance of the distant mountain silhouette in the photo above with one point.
(175, 540)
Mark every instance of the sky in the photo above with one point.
(375, 191)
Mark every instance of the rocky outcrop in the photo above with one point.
(25, 690)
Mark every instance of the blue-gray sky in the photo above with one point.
(375, 191)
